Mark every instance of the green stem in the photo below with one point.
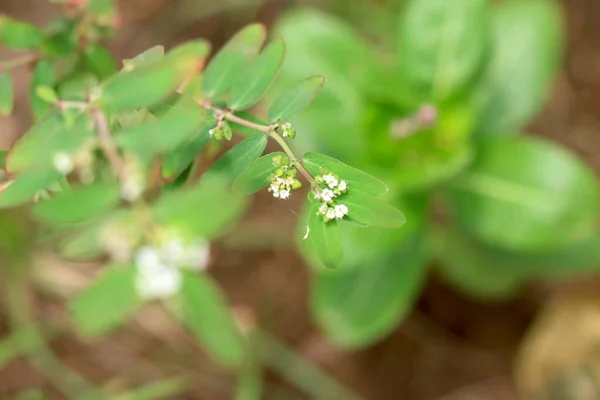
(18, 62)
(292, 157)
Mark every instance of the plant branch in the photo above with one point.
(18, 62)
(107, 143)
(249, 124)
(292, 156)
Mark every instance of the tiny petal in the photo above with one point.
(330, 213)
(327, 195)
(342, 186)
(160, 284)
(131, 189)
(198, 256)
(63, 163)
(284, 194)
(147, 260)
(340, 211)
(307, 234)
(323, 209)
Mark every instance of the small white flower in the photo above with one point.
(330, 213)
(160, 284)
(198, 256)
(147, 260)
(284, 194)
(342, 186)
(276, 195)
(289, 181)
(323, 209)
(63, 163)
(317, 196)
(274, 187)
(211, 132)
(132, 189)
(340, 211)
(173, 252)
(327, 195)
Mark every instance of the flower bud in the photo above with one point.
(297, 184)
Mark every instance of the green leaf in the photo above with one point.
(146, 85)
(99, 60)
(237, 159)
(149, 56)
(18, 35)
(43, 75)
(256, 175)
(47, 94)
(357, 179)
(528, 45)
(232, 59)
(206, 314)
(26, 186)
(296, 98)
(204, 210)
(526, 194)
(253, 83)
(162, 389)
(442, 45)
(199, 48)
(80, 204)
(360, 306)
(107, 303)
(371, 211)
(37, 148)
(7, 94)
(179, 125)
(77, 87)
(323, 240)
(175, 162)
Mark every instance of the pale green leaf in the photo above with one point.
(232, 59)
(79, 204)
(254, 82)
(18, 35)
(323, 239)
(43, 75)
(23, 189)
(296, 98)
(526, 194)
(107, 302)
(371, 211)
(149, 56)
(203, 309)
(7, 93)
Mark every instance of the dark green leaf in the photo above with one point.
(296, 98)
(80, 204)
(357, 179)
(232, 59)
(43, 75)
(18, 35)
(205, 312)
(251, 85)
(185, 120)
(528, 43)
(526, 194)
(100, 61)
(7, 93)
(360, 306)
(26, 186)
(442, 45)
(202, 211)
(146, 85)
(256, 176)
(107, 303)
(236, 160)
(323, 239)
(371, 211)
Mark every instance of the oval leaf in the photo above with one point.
(296, 98)
(357, 179)
(100, 61)
(175, 162)
(23, 189)
(256, 80)
(107, 303)
(43, 75)
(357, 307)
(442, 45)
(323, 239)
(18, 35)
(528, 40)
(146, 85)
(371, 211)
(149, 56)
(7, 94)
(80, 204)
(205, 312)
(236, 160)
(527, 195)
(232, 59)
(256, 176)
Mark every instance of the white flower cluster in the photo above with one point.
(334, 188)
(287, 130)
(158, 268)
(283, 181)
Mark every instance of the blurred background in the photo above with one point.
(538, 339)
